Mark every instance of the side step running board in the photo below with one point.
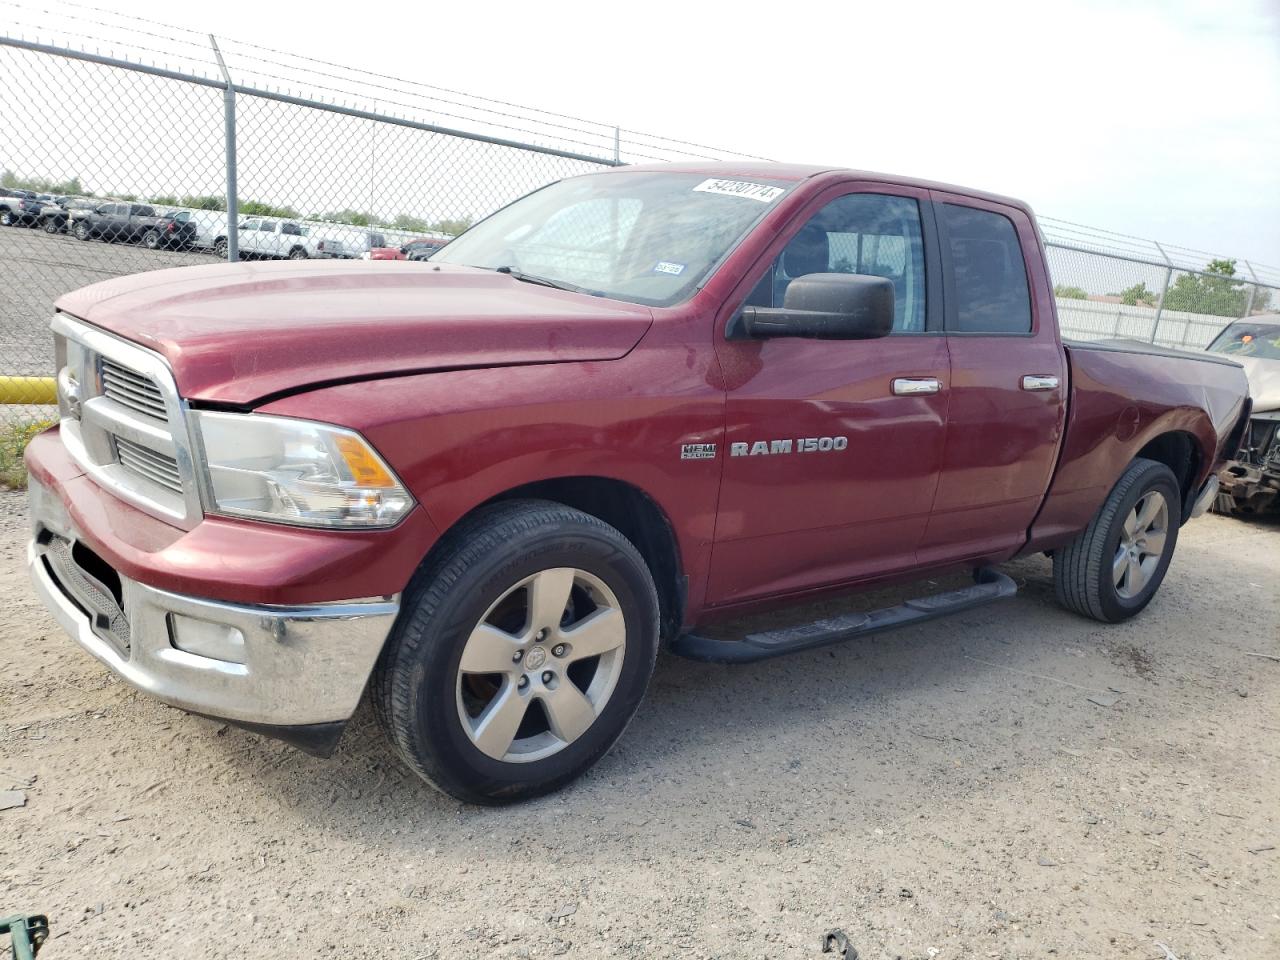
(989, 584)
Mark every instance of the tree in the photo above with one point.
(410, 224)
(354, 217)
(71, 187)
(256, 208)
(1215, 292)
(1137, 294)
(1064, 292)
(452, 227)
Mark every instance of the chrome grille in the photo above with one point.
(131, 389)
(148, 463)
(123, 421)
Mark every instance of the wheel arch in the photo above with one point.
(1180, 452)
(627, 508)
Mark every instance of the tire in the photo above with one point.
(7, 219)
(151, 240)
(54, 225)
(298, 253)
(480, 584)
(81, 230)
(1109, 573)
(220, 248)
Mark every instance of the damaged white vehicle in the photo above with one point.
(1251, 482)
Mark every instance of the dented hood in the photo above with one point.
(1264, 382)
(236, 333)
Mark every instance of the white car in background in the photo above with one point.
(265, 237)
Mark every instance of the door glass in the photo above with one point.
(866, 233)
(991, 293)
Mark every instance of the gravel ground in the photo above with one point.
(1012, 782)
(40, 267)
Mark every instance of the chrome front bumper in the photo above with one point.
(282, 667)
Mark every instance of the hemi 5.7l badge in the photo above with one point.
(761, 448)
(698, 451)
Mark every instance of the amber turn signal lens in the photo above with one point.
(363, 463)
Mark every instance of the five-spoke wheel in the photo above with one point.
(541, 664)
(522, 652)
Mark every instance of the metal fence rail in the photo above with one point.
(339, 161)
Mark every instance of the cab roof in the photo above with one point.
(796, 172)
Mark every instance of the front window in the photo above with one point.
(1249, 340)
(650, 238)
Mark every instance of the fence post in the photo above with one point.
(229, 127)
(1168, 276)
(617, 146)
(1253, 290)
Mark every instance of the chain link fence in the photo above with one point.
(111, 166)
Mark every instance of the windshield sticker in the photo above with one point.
(666, 266)
(740, 188)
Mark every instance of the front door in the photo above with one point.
(251, 236)
(833, 448)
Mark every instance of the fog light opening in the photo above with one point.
(202, 638)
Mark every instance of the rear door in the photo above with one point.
(833, 448)
(1008, 381)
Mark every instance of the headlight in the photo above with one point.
(297, 471)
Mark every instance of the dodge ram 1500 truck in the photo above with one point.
(487, 487)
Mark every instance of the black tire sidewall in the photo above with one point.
(1114, 606)
(151, 240)
(452, 760)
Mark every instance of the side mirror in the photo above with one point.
(823, 306)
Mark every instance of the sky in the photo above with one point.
(1157, 118)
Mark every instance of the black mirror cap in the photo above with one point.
(827, 306)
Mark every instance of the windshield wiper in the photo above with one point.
(540, 281)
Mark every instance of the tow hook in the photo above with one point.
(26, 934)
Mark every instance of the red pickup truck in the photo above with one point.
(487, 487)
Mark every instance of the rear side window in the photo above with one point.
(990, 293)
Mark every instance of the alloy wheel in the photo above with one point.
(1141, 543)
(541, 665)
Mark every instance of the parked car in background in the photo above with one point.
(384, 253)
(55, 217)
(262, 238)
(1250, 483)
(18, 207)
(127, 223)
(422, 249)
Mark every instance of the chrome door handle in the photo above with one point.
(915, 386)
(1039, 381)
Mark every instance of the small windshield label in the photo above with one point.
(666, 266)
(740, 188)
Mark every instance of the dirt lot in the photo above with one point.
(946, 791)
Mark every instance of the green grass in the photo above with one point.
(14, 438)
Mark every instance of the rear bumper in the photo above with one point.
(296, 671)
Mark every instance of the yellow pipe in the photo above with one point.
(30, 390)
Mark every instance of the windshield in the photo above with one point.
(648, 238)
(1249, 340)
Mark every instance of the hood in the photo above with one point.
(1264, 382)
(235, 333)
